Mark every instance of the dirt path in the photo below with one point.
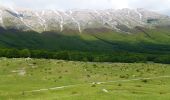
(137, 79)
(126, 80)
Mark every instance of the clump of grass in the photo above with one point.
(66, 71)
(137, 70)
(34, 63)
(144, 80)
(124, 76)
(161, 92)
(134, 92)
(45, 69)
(55, 80)
(95, 66)
(59, 71)
(138, 86)
(23, 93)
(94, 85)
(119, 84)
(91, 72)
(60, 77)
(74, 92)
(105, 74)
(7, 64)
(88, 76)
(148, 70)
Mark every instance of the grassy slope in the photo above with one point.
(41, 73)
(50, 41)
(149, 40)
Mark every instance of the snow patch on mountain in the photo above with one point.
(140, 15)
(1, 19)
(61, 19)
(41, 20)
(74, 20)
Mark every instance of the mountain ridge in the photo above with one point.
(121, 20)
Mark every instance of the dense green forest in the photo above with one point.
(126, 57)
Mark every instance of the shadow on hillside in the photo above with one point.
(58, 41)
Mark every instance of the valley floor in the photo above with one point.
(42, 79)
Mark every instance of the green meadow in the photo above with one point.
(47, 79)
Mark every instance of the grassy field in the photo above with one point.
(41, 79)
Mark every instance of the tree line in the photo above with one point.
(125, 57)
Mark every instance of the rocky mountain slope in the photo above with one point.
(121, 20)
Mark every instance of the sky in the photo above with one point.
(162, 6)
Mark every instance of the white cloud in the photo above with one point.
(161, 6)
(150, 4)
(158, 5)
(119, 3)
